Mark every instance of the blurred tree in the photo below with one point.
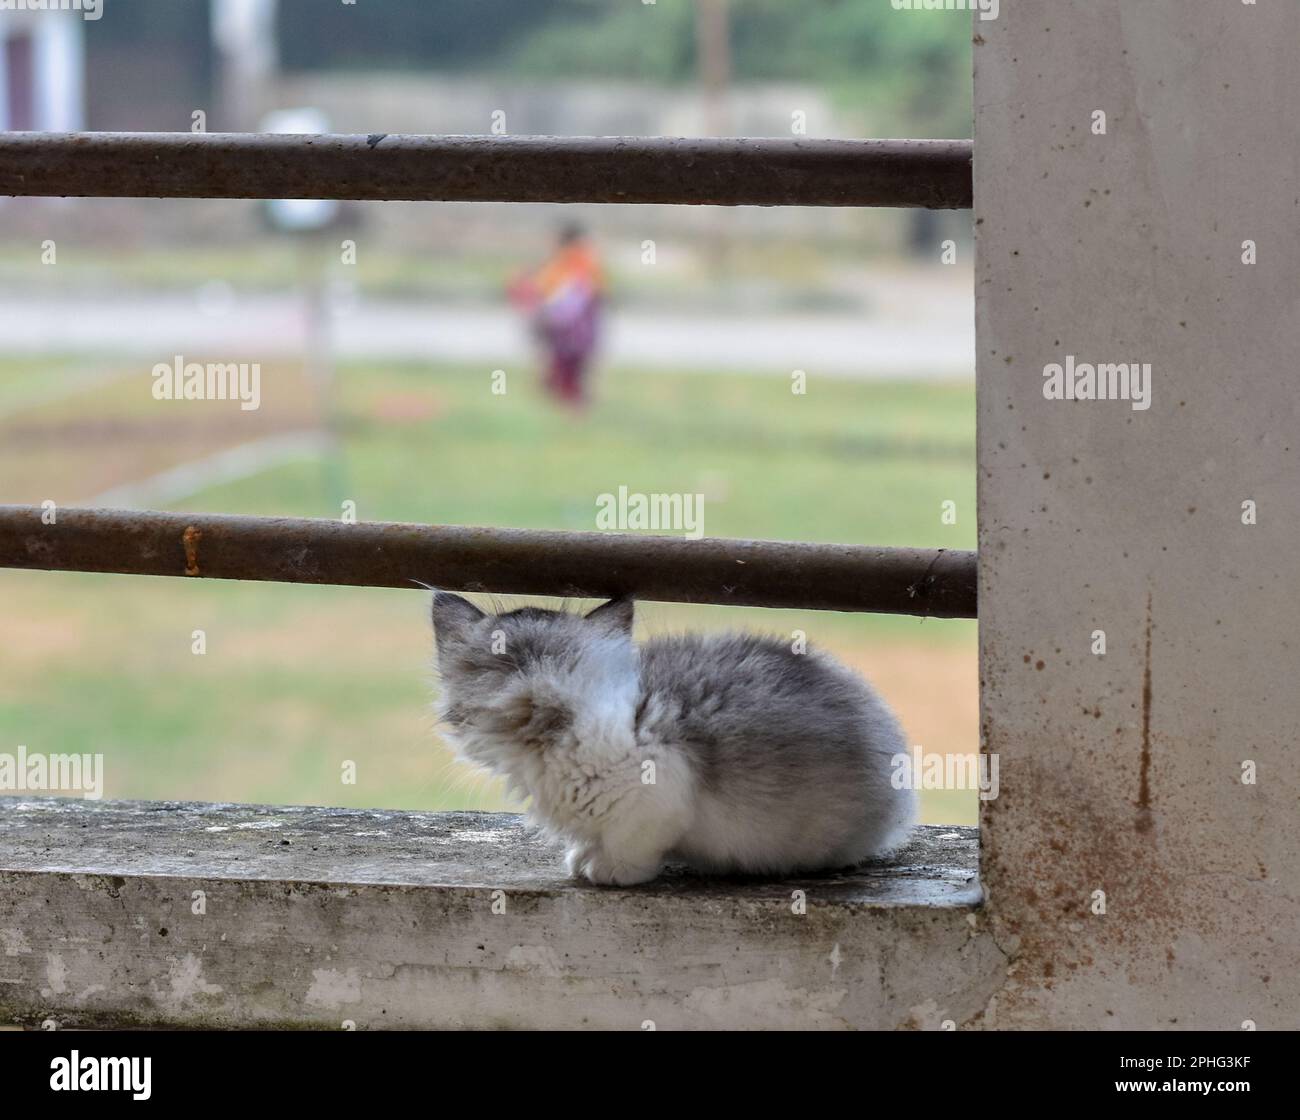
(910, 69)
(894, 71)
(401, 34)
(148, 65)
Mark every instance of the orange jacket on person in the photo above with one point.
(574, 264)
(572, 270)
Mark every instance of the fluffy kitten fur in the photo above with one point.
(764, 760)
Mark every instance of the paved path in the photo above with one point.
(932, 338)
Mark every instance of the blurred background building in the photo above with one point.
(42, 71)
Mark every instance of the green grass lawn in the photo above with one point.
(296, 681)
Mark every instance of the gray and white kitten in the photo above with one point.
(730, 752)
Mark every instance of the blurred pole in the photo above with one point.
(311, 222)
(713, 61)
(247, 56)
(713, 48)
(314, 253)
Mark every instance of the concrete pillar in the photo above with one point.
(1123, 240)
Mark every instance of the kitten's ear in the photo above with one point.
(616, 615)
(452, 616)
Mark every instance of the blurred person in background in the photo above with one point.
(563, 301)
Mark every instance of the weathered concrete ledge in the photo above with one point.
(181, 914)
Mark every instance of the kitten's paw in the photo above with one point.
(603, 871)
(576, 858)
(587, 861)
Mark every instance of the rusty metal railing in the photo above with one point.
(932, 174)
(936, 583)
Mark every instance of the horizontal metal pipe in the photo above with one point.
(933, 174)
(832, 577)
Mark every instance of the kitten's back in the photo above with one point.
(791, 750)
